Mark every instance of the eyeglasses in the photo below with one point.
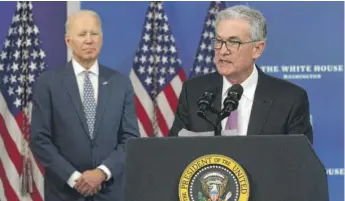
(231, 45)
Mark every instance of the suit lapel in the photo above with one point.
(103, 94)
(70, 82)
(263, 101)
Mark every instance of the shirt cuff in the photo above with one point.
(106, 170)
(71, 181)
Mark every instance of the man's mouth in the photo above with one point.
(222, 61)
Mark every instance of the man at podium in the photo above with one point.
(267, 106)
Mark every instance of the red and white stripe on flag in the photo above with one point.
(157, 75)
(21, 62)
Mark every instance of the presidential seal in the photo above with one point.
(214, 178)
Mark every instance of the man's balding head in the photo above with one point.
(84, 36)
(81, 14)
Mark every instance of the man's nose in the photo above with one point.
(224, 49)
(88, 38)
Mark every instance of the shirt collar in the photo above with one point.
(249, 85)
(78, 69)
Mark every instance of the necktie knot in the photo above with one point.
(87, 73)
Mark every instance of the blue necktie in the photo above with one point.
(89, 103)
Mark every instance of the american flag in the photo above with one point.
(203, 62)
(157, 75)
(21, 62)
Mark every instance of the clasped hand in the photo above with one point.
(89, 183)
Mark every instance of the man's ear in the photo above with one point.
(258, 49)
(68, 41)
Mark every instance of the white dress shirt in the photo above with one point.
(80, 75)
(245, 103)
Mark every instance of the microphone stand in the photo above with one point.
(216, 129)
(230, 103)
(220, 116)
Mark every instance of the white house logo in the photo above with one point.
(214, 178)
(305, 72)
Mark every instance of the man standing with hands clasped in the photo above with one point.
(83, 114)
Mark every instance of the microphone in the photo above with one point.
(204, 103)
(231, 101)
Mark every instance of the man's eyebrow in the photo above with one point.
(229, 38)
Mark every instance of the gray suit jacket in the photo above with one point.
(59, 135)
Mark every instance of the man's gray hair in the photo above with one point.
(256, 20)
(90, 12)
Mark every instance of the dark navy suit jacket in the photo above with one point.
(59, 135)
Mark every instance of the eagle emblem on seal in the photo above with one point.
(213, 187)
